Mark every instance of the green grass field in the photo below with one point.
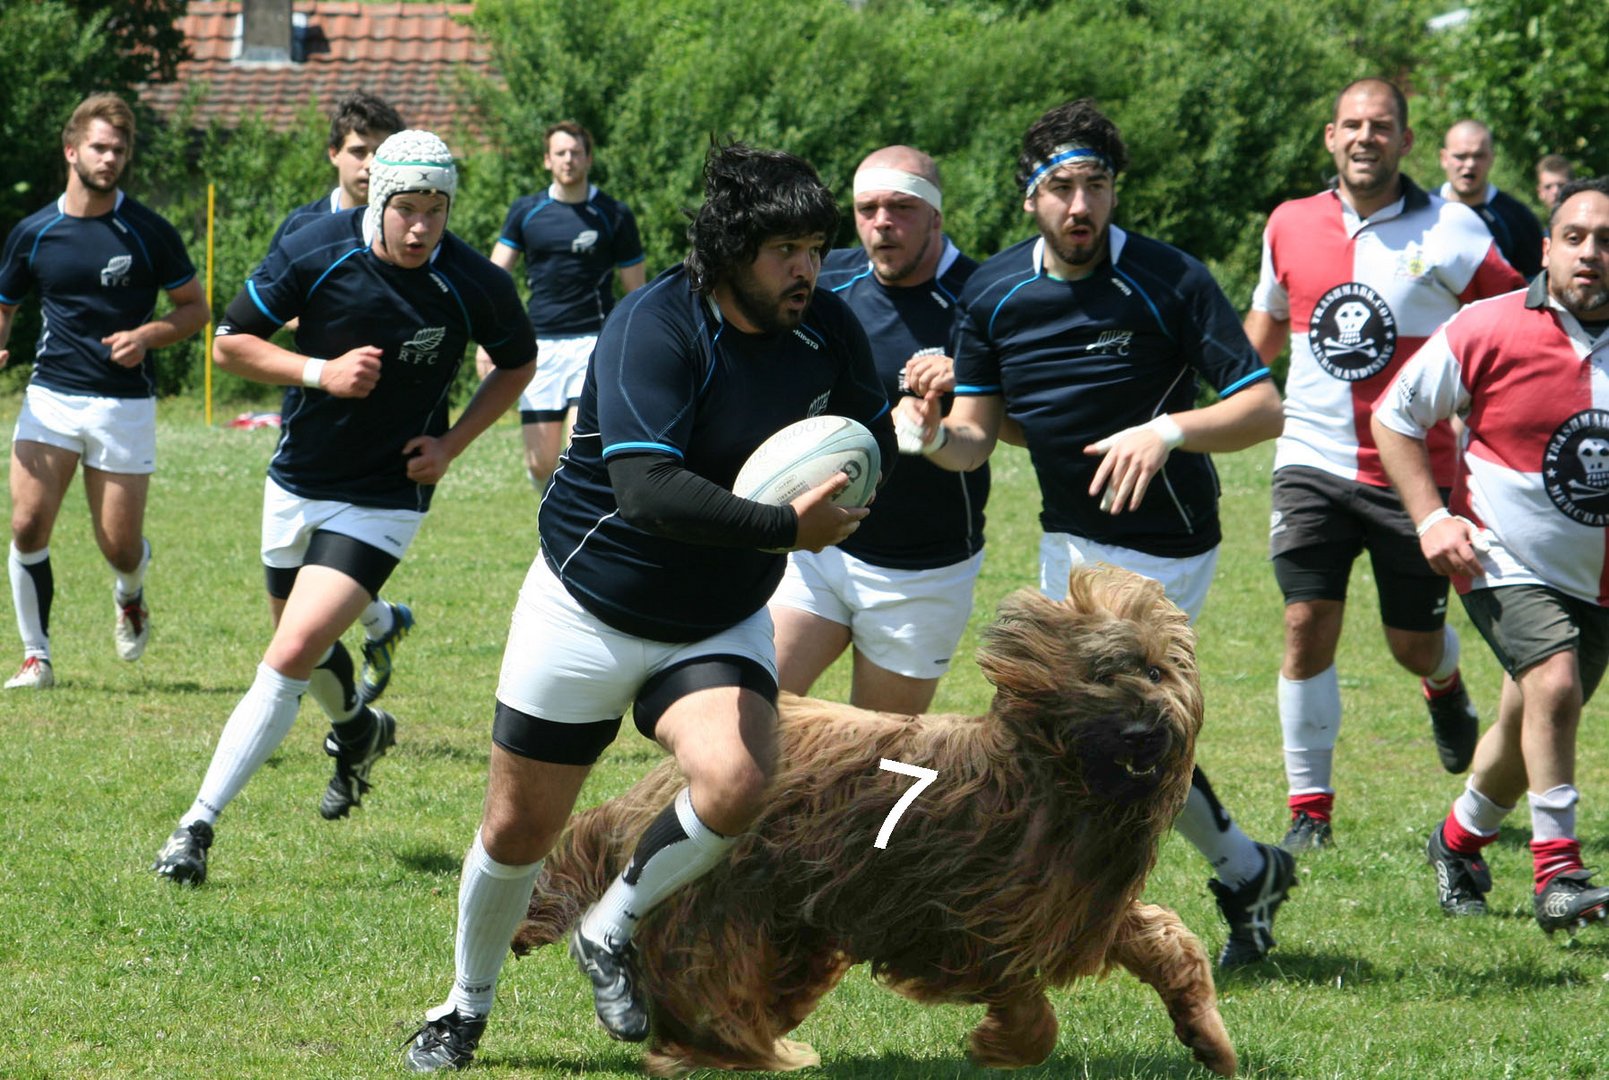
(314, 946)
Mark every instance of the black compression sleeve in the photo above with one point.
(657, 495)
(243, 317)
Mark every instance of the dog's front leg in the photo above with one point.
(1162, 952)
(1015, 1033)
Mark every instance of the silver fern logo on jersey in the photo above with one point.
(116, 272)
(1575, 468)
(585, 241)
(424, 346)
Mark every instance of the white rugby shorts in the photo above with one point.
(565, 665)
(561, 369)
(289, 522)
(904, 621)
(1184, 580)
(115, 435)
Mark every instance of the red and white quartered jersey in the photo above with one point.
(1362, 294)
(1533, 389)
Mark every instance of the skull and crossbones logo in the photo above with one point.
(1352, 332)
(1575, 467)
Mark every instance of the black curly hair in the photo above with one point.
(749, 195)
(1078, 123)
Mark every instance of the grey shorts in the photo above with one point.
(1526, 624)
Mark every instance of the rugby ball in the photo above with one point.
(806, 454)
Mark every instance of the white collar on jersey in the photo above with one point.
(1451, 196)
(335, 200)
(61, 203)
(1115, 238)
(554, 192)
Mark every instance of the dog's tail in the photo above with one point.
(574, 875)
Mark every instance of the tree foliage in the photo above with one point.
(1532, 70)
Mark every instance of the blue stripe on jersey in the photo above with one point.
(251, 291)
(1148, 301)
(33, 251)
(1032, 276)
(4, 299)
(619, 448)
(506, 242)
(176, 283)
(321, 277)
(961, 388)
(633, 262)
(547, 200)
(1242, 383)
(864, 273)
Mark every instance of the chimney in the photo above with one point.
(266, 36)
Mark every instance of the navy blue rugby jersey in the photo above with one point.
(571, 253)
(95, 276)
(350, 449)
(306, 214)
(670, 377)
(924, 516)
(1079, 360)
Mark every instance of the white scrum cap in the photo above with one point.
(408, 161)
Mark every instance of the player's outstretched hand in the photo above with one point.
(821, 524)
(427, 459)
(353, 374)
(128, 348)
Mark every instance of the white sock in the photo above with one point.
(332, 685)
(30, 575)
(376, 619)
(675, 848)
(1234, 856)
(131, 584)
(255, 729)
(1310, 719)
(492, 899)
(1477, 813)
(1553, 813)
(1442, 677)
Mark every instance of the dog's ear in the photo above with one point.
(1024, 650)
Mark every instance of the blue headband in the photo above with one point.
(1061, 156)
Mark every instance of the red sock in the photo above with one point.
(1319, 806)
(1453, 682)
(1460, 839)
(1552, 858)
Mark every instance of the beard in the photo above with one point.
(894, 273)
(1581, 300)
(1080, 255)
(763, 308)
(89, 179)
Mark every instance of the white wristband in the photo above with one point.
(936, 443)
(311, 372)
(1441, 513)
(1167, 429)
(909, 437)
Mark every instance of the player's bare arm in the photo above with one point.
(1446, 540)
(632, 277)
(959, 442)
(1268, 335)
(353, 374)
(190, 313)
(429, 457)
(7, 312)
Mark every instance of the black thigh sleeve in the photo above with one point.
(363, 563)
(544, 740)
(664, 688)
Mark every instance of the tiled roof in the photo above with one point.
(407, 53)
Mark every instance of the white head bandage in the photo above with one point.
(1058, 157)
(408, 161)
(899, 180)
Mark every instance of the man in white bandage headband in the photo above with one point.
(899, 590)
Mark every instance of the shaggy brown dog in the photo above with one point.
(1018, 869)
